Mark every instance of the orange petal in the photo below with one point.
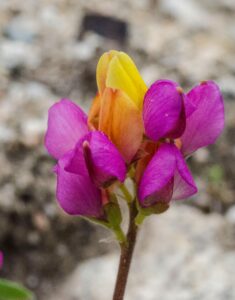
(122, 121)
(148, 148)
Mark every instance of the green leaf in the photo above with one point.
(12, 291)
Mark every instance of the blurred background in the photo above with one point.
(48, 50)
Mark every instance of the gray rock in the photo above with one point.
(230, 215)
(187, 12)
(180, 255)
(22, 29)
(17, 54)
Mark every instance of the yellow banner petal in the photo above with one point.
(116, 70)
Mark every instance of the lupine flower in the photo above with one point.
(117, 107)
(87, 160)
(1, 259)
(179, 124)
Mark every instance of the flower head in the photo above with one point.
(149, 132)
(181, 124)
(87, 160)
(116, 109)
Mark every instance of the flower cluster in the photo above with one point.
(132, 131)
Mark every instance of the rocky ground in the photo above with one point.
(182, 260)
(49, 51)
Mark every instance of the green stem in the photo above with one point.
(120, 235)
(126, 193)
(127, 250)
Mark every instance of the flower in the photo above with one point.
(117, 107)
(150, 132)
(179, 124)
(87, 160)
(1, 259)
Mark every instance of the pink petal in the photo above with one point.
(104, 162)
(205, 117)
(76, 194)
(156, 184)
(67, 123)
(163, 111)
(166, 177)
(184, 185)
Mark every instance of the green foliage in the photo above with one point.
(13, 291)
(216, 173)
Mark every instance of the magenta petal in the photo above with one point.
(184, 185)
(166, 177)
(76, 194)
(156, 184)
(163, 111)
(67, 123)
(205, 120)
(103, 160)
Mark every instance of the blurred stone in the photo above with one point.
(230, 215)
(22, 29)
(18, 54)
(227, 84)
(186, 11)
(176, 253)
(106, 26)
(201, 155)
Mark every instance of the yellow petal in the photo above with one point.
(122, 121)
(102, 69)
(116, 70)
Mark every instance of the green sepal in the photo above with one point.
(12, 291)
(113, 214)
(96, 221)
(144, 212)
(127, 196)
(112, 220)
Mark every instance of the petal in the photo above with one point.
(67, 123)
(156, 184)
(163, 111)
(116, 70)
(103, 161)
(121, 120)
(184, 185)
(76, 194)
(102, 69)
(205, 121)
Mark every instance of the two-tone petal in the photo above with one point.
(166, 178)
(163, 111)
(116, 70)
(103, 161)
(77, 194)
(205, 117)
(67, 123)
(121, 120)
(116, 110)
